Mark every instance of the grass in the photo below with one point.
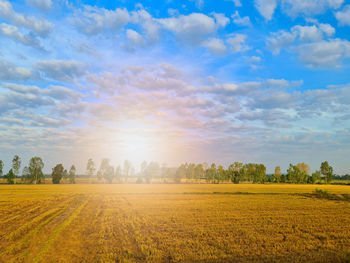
(174, 223)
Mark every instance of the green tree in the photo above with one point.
(34, 172)
(316, 176)
(127, 170)
(72, 172)
(106, 171)
(198, 172)
(16, 164)
(57, 173)
(327, 172)
(261, 173)
(118, 173)
(90, 169)
(1, 167)
(278, 174)
(180, 173)
(235, 170)
(10, 176)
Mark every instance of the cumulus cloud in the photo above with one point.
(266, 8)
(237, 43)
(9, 71)
(12, 32)
(237, 3)
(343, 16)
(324, 54)
(192, 29)
(93, 20)
(241, 21)
(215, 46)
(39, 25)
(41, 4)
(309, 7)
(65, 70)
(134, 38)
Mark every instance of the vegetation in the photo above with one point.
(173, 223)
(236, 173)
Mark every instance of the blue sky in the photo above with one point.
(198, 81)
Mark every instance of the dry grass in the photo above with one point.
(172, 223)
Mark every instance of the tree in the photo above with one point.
(16, 164)
(57, 173)
(1, 167)
(316, 176)
(198, 172)
(34, 173)
(180, 173)
(235, 171)
(106, 171)
(10, 176)
(327, 172)
(118, 173)
(90, 169)
(72, 171)
(278, 174)
(305, 172)
(127, 169)
(261, 173)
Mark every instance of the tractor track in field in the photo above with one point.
(65, 220)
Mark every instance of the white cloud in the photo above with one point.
(343, 16)
(13, 33)
(40, 4)
(237, 3)
(192, 28)
(133, 39)
(9, 71)
(220, 19)
(237, 43)
(266, 8)
(64, 70)
(324, 54)
(40, 26)
(309, 7)
(93, 20)
(215, 46)
(241, 21)
(280, 40)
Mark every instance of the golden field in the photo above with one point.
(173, 223)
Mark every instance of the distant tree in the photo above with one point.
(72, 171)
(16, 164)
(327, 172)
(261, 173)
(199, 171)
(10, 176)
(143, 172)
(152, 170)
(191, 171)
(305, 172)
(278, 174)
(164, 172)
(106, 171)
(34, 173)
(57, 173)
(90, 169)
(1, 167)
(127, 169)
(118, 173)
(316, 176)
(221, 173)
(235, 171)
(180, 173)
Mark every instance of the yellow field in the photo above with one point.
(172, 223)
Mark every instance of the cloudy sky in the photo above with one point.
(198, 81)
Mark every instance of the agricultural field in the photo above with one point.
(174, 223)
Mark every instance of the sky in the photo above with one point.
(264, 81)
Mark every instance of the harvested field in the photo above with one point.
(173, 223)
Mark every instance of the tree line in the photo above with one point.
(236, 172)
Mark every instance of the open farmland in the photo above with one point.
(173, 223)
